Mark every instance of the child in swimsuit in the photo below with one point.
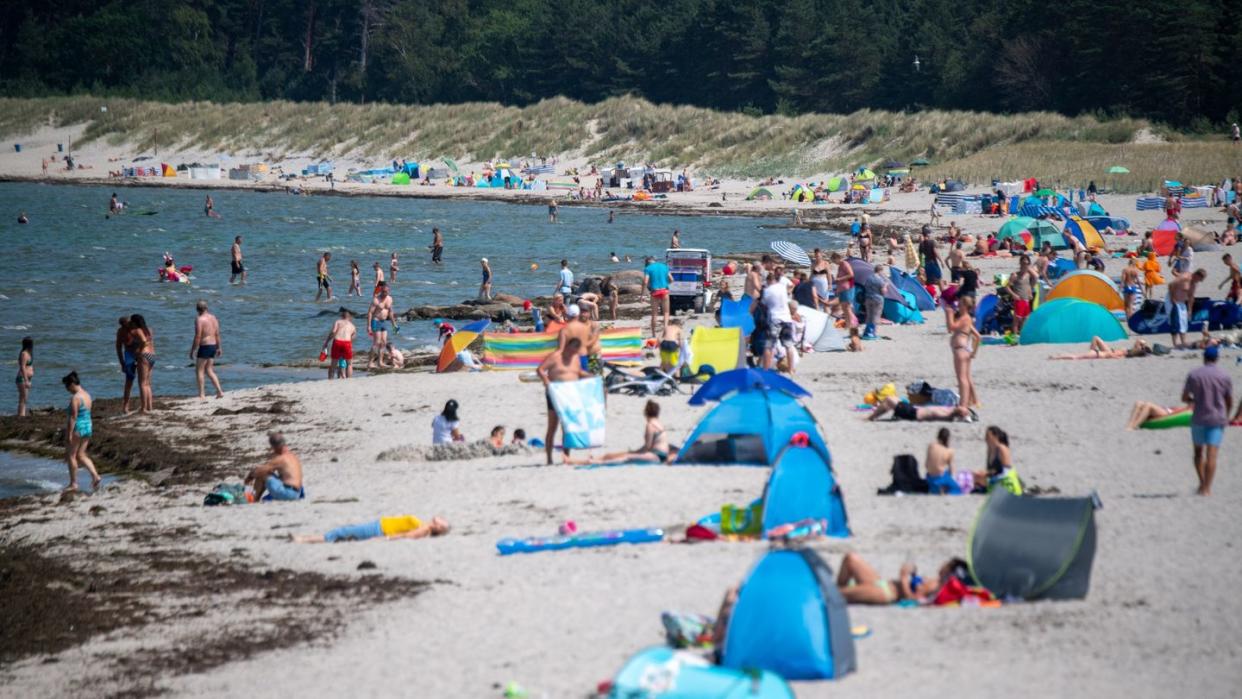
(79, 431)
(398, 527)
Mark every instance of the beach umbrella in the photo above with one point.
(1045, 192)
(1118, 170)
(459, 341)
(743, 381)
(894, 164)
(899, 171)
(791, 252)
(452, 166)
(920, 162)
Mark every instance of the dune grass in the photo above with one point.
(974, 146)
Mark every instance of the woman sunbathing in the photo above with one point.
(399, 527)
(1101, 350)
(860, 583)
(1146, 410)
(655, 448)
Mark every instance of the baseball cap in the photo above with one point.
(573, 311)
(1211, 353)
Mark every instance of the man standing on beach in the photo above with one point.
(341, 338)
(1178, 303)
(658, 278)
(562, 365)
(1209, 390)
(437, 246)
(379, 318)
(553, 210)
(205, 349)
(129, 365)
(238, 267)
(1021, 291)
(322, 280)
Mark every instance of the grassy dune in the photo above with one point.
(975, 146)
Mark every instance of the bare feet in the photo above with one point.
(95, 481)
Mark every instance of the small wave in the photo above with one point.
(16, 327)
(3, 297)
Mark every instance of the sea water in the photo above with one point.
(68, 275)
(25, 474)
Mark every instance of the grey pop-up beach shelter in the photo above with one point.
(1033, 547)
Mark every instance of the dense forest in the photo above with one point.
(1179, 63)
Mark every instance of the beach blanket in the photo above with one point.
(580, 406)
(527, 350)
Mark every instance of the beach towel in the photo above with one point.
(736, 314)
(528, 350)
(580, 407)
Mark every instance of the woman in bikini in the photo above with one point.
(79, 432)
(860, 583)
(355, 279)
(964, 340)
(655, 448)
(1144, 410)
(25, 375)
(1100, 350)
(821, 278)
(142, 346)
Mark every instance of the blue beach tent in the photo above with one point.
(907, 282)
(1070, 320)
(905, 313)
(749, 428)
(743, 380)
(736, 314)
(791, 620)
(803, 486)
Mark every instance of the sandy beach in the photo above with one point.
(193, 601)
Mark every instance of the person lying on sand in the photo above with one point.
(1101, 350)
(1144, 411)
(280, 476)
(860, 583)
(390, 528)
(902, 410)
(655, 448)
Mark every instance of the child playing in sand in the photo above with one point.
(390, 528)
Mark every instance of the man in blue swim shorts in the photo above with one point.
(1209, 390)
(280, 477)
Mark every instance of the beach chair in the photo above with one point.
(649, 381)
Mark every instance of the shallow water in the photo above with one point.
(24, 474)
(67, 276)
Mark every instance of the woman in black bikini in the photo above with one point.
(142, 346)
(655, 448)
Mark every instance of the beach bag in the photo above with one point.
(226, 494)
(906, 478)
(747, 520)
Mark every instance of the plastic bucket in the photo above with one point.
(17, 147)
(60, 148)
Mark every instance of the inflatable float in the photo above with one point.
(584, 540)
(1177, 418)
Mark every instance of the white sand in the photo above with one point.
(1160, 620)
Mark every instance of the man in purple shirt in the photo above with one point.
(1210, 391)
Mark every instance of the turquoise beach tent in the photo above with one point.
(802, 486)
(690, 676)
(749, 429)
(1070, 320)
(790, 619)
(903, 313)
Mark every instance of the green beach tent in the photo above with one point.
(1118, 170)
(1042, 232)
(759, 194)
(837, 184)
(401, 178)
(920, 162)
(1070, 320)
(1014, 228)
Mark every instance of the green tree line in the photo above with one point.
(1179, 63)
